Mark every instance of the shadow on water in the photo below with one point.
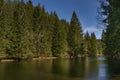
(114, 69)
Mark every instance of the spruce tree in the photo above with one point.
(75, 35)
(2, 45)
(20, 35)
(35, 27)
(59, 39)
(29, 9)
(8, 25)
(65, 26)
(93, 42)
(87, 43)
(103, 41)
(46, 34)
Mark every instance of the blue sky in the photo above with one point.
(86, 11)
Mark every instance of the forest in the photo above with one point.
(28, 31)
(36, 44)
(109, 16)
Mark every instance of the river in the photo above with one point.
(60, 69)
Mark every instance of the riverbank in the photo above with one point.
(7, 60)
(32, 59)
(39, 58)
(45, 58)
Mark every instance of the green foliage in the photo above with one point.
(103, 41)
(112, 39)
(92, 45)
(75, 35)
(42, 32)
(20, 37)
(59, 38)
(94, 50)
(29, 31)
(1, 26)
(87, 43)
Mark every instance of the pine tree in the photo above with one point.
(29, 9)
(58, 40)
(65, 26)
(46, 34)
(20, 34)
(75, 35)
(36, 27)
(8, 25)
(87, 43)
(93, 49)
(100, 47)
(42, 32)
(2, 45)
(102, 41)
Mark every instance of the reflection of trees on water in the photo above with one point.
(76, 68)
(61, 67)
(83, 67)
(91, 67)
(114, 68)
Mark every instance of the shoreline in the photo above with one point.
(42, 58)
(33, 59)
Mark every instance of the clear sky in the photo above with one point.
(86, 11)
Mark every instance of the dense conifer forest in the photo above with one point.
(110, 17)
(28, 31)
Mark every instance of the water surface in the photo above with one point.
(60, 69)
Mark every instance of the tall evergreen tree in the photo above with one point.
(93, 49)
(87, 43)
(2, 45)
(20, 35)
(42, 32)
(59, 39)
(36, 28)
(102, 41)
(75, 35)
(46, 34)
(8, 24)
(65, 26)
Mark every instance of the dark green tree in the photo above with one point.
(2, 45)
(65, 26)
(75, 36)
(93, 42)
(112, 40)
(8, 24)
(42, 32)
(103, 41)
(46, 34)
(59, 38)
(36, 28)
(87, 43)
(20, 34)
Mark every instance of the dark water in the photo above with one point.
(60, 69)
